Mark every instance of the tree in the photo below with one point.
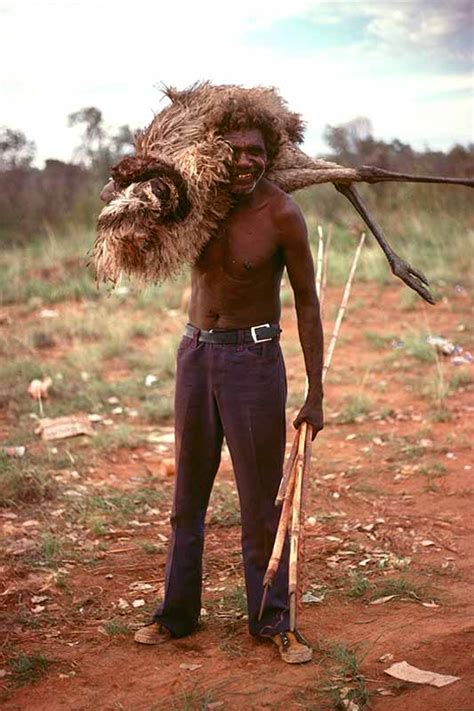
(16, 152)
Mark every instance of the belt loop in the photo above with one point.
(240, 340)
(195, 339)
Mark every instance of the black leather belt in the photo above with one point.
(254, 334)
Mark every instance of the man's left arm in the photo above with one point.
(299, 265)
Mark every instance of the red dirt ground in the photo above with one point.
(382, 508)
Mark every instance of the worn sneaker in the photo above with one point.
(154, 633)
(293, 647)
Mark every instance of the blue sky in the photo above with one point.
(406, 65)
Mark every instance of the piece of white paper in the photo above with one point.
(407, 672)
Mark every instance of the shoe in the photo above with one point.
(293, 647)
(153, 633)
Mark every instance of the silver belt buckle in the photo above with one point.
(255, 337)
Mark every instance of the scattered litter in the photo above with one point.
(14, 451)
(18, 547)
(94, 417)
(427, 543)
(442, 345)
(387, 657)
(64, 427)
(138, 603)
(190, 667)
(37, 609)
(311, 521)
(141, 587)
(150, 380)
(450, 455)
(351, 436)
(36, 599)
(407, 672)
(426, 443)
(38, 389)
(49, 313)
(462, 359)
(311, 599)
(108, 422)
(382, 600)
(432, 603)
(157, 438)
(113, 400)
(123, 604)
(344, 694)
(117, 410)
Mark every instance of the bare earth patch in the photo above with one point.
(388, 548)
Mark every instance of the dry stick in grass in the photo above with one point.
(325, 272)
(298, 507)
(300, 436)
(319, 263)
(290, 461)
(342, 308)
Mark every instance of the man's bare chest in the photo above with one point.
(243, 249)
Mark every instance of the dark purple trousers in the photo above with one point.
(236, 391)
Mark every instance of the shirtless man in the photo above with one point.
(231, 382)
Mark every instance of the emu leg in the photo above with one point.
(413, 278)
(371, 174)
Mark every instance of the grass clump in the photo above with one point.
(224, 507)
(345, 684)
(27, 668)
(116, 628)
(22, 482)
(355, 409)
(358, 585)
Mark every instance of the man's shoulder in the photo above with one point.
(282, 205)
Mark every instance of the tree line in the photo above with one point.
(33, 200)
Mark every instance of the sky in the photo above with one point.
(404, 64)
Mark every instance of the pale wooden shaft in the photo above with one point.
(342, 308)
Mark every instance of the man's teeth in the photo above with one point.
(244, 176)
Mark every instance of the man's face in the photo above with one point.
(249, 160)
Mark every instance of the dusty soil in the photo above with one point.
(390, 503)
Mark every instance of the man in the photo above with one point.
(231, 382)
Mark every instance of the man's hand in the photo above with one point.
(108, 191)
(312, 413)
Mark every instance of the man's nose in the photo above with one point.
(243, 160)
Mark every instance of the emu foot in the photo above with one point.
(412, 277)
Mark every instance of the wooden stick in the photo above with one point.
(342, 308)
(325, 272)
(287, 471)
(295, 526)
(298, 469)
(319, 263)
(280, 536)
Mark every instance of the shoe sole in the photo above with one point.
(297, 657)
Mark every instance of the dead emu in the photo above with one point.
(171, 195)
